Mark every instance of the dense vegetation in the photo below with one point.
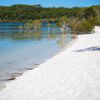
(76, 17)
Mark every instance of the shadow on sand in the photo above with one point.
(94, 48)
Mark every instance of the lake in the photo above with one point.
(21, 51)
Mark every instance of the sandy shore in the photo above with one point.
(73, 74)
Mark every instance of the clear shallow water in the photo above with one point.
(21, 51)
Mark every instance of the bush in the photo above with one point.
(84, 26)
(81, 26)
(93, 21)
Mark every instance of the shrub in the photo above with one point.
(81, 26)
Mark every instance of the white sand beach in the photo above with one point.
(73, 74)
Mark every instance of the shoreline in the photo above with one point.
(68, 75)
(11, 79)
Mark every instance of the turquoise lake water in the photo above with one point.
(21, 51)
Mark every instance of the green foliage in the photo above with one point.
(63, 21)
(98, 20)
(84, 26)
(93, 20)
(31, 26)
(73, 22)
(31, 12)
(81, 26)
(80, 19)
(89, 12)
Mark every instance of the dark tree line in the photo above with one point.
(81, 19)
(31, 12)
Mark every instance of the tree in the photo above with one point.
(31, 26)
(93, 20)
(98, 15)
(62, 23)
(88, 12)
(80, 26)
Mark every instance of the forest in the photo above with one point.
(76, 17)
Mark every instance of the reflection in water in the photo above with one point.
(20, 51)
(37, 35)
(62, 41)
(27, 35)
